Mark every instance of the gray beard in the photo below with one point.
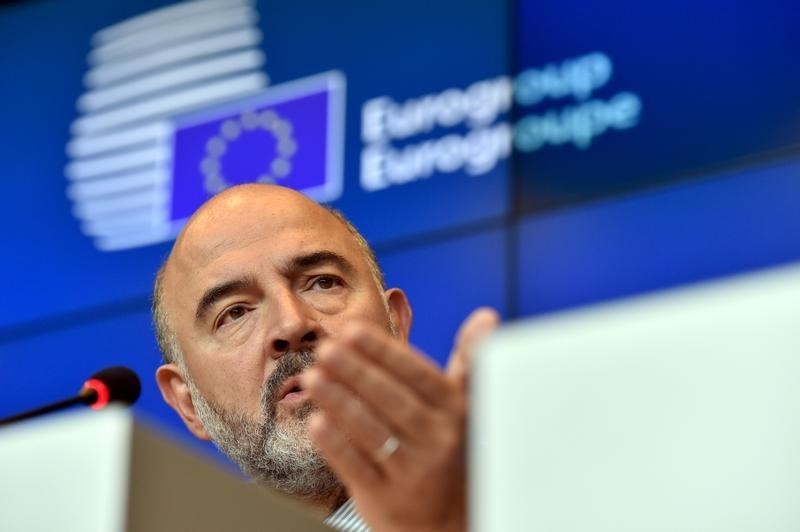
(275, 453)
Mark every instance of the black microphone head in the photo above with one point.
(122, 384)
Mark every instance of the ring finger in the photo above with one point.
(368, 433)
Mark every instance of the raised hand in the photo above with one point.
(392, 425)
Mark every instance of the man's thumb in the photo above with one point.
(478, 324)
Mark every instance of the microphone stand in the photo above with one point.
(86, 396)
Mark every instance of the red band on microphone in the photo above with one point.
(102, 393)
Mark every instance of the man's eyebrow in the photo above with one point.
(320, 258)
(219, 291)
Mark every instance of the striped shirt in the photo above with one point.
(346, 519)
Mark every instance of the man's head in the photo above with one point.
(258, 277)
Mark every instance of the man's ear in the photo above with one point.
(175, 392)
(400, 311)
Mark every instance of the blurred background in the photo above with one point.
(530, 155)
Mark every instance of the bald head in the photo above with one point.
(244, 215)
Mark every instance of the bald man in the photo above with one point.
(282, 345)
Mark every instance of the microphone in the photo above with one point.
(117, 383)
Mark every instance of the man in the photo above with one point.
(283, 346)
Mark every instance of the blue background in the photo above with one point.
(719, 86)
(660, 205)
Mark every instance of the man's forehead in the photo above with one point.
(236, 219)
(271, 218)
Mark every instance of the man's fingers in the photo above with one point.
(348, 412)
(390, 399)
(349, 464)
(478, 324)
(401, 361)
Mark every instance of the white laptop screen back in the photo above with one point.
(673, 412)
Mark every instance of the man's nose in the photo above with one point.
(295, 326)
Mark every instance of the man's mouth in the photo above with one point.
(291, 391)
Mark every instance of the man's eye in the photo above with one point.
(327, 282)
(232, 314)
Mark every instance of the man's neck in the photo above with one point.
(327, 504)
(322, 507)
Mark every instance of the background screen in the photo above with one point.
(525, 155)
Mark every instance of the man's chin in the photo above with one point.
(289, 413)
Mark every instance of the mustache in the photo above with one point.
(290, 364)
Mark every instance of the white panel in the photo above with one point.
(149, 133)
(171, 103)
(106, 74)
(678, 411)
(119, 162)
(112, 206)
(160, 36)
(65, 473)
(89, 190)
(179, 75)
(164, 15)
